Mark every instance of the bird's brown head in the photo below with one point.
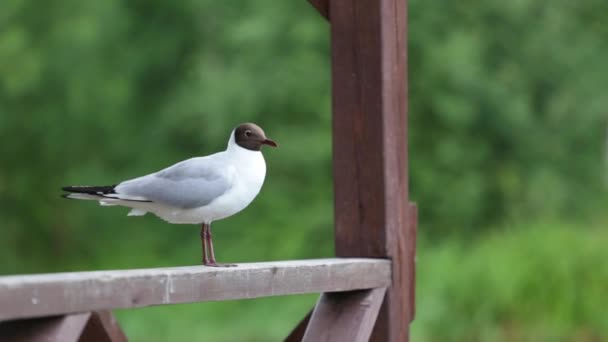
(252, 137)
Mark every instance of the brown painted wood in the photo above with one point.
(103, 327)
(49, 329)
(61, 293)
(369, 85)
(345, 316)
(297, 333)
(82, 327)
(322, 6)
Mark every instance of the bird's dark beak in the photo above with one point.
(270, 143)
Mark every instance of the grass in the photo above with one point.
(538, 282)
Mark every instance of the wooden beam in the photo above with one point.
(322, 6)
(345, 316)
(61, 293)
(369, 85)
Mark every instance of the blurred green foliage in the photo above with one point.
(508, 109)
(508, 123)
(533, 282)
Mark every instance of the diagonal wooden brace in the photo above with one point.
(322, 6)
(345, 316)
(97, 326)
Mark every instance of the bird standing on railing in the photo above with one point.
(195, 191)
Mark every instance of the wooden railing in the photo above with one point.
(362, 299)
(354, 289)
(65, 293)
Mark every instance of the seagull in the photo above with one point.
(199, 190)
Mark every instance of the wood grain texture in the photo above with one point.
(369, 85)
(61, 293)
(49, 329)
(322, 6)
(345, 316)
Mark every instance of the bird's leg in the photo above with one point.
(204, 243)
(211, 261)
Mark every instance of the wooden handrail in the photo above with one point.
(26, 296)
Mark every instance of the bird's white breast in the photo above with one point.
(247, 170)
(250, 171)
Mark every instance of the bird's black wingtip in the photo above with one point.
(91, 190)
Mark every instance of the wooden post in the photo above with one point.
(369, 58)
(373, 215)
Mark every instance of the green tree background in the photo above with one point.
(508, 135)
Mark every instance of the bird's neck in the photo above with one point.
(240, 152)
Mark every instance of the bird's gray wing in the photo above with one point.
(192, 183)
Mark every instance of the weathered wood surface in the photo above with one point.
(322, 6)
(61, 293)
(345, 316)
(369, 86)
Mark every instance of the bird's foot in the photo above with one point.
(218, 264)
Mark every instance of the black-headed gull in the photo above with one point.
(195, 191)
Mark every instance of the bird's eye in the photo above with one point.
(247, 133)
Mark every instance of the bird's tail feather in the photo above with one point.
(99, 193)
(88, 192)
